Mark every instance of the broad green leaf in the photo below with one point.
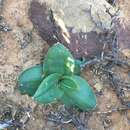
(84, 97)
(66, 100)
(48, 90)
(59, 60)
(30, 79)
(50, 96)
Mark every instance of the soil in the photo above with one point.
(22, 47)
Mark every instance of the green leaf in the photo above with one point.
(66, 100)
(30, 79)
(50, 96)
(48, 90)
(69, 83)
(84, 97)
(59, 60)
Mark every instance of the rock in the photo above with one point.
(76, 24)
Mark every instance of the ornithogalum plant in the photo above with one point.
(57, 79)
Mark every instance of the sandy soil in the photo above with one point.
(21, 48)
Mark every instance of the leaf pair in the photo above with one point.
(70, 90)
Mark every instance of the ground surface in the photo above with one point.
(21, 48)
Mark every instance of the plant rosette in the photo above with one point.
(58, 79)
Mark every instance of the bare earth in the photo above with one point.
(21, 48)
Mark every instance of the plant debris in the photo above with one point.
(4, 27)
(13, 116)
(66, 116)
